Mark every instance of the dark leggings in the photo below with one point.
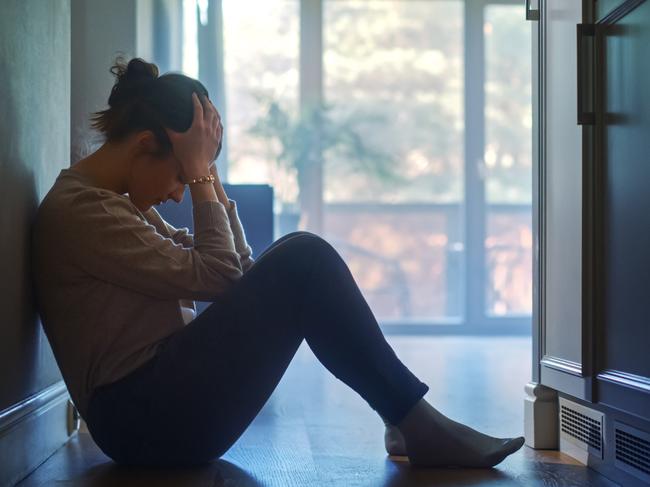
(209, 380)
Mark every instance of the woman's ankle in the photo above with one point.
(414, 419)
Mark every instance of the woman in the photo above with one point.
(115, 286)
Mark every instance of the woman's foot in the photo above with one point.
(433, 440)
(394, 441)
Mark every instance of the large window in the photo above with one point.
(261, 59)
(508, 161)
(428, 196)
(401, 62)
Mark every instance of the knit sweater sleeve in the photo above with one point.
(241, 245)
(244, 250)
(116, 245)
(180, 235)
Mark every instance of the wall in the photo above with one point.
(100, 31)
(34, 147)
(55, 58)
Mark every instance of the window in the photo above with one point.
(508, 161)
(429, 202)
(261, 50)
(401, 63)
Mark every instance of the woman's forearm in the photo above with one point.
(202, 192)
(218, 187)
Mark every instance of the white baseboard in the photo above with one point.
(31, 431)
(541, 426)
(574, 451)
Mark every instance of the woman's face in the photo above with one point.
(154, 180)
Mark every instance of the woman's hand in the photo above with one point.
(196, 147)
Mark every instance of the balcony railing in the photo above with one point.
(409, 259)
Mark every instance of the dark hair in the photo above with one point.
(142, 100)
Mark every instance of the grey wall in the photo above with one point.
(55, 57)
(100, 30)
(36, 54)
(34, 146)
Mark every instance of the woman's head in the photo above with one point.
(142, 105)
(141, 100)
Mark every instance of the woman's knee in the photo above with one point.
(288, 236)
(297, 250)
(279, 241)
(297, 233)
(300, 235)
(306, 242)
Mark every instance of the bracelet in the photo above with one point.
(203, 179)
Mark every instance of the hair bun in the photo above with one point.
(130, 78)
(140, 70)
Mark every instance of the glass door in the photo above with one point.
(424, 182)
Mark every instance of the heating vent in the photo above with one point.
(582, 426)
(632, 451)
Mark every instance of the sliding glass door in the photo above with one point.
(423, 177)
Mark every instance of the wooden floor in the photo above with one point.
(314, 431)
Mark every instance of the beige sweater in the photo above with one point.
(110, 281)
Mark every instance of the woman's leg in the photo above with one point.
(343, 333)
(393, 439)
(280, 240)
(211, 379)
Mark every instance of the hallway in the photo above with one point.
(329, 436)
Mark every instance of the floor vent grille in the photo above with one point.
(632, 451)
(582, 427)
